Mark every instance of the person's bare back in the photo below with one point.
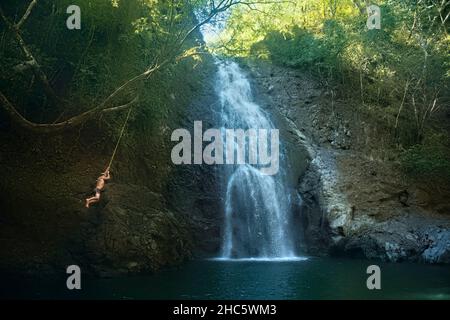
(98, 188)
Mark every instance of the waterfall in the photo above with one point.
(257, 215)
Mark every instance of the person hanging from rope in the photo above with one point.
(99, 188)
(105, 175)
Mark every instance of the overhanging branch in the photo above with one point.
(30, 59)
(173, 56)
(26, 14)
(59, 126)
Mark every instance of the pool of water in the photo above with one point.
(313, 278)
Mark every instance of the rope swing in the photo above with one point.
(105, 175)
(120, 138)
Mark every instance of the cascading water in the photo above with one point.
(257, 217)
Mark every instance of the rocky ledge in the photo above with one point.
(369, 212)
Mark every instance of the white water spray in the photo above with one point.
(257, 217)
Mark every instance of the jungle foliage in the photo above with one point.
(399, 73)
(62, 77)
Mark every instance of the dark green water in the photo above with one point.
(315, 278)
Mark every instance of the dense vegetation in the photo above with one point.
(59, 73)
(399, 74)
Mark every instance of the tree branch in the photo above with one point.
(26, 14)
(122, 107)
(174, 55)
(59, 126)
(37, 69)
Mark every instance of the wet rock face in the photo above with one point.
(152, 213)
(140, 230)
(273, 95)
(193, 191)
(369, 211)
(438, 250)
(356, 200)
(325, 208)
(132, 231)
(426, 244)
(372, 216)
(171, 215)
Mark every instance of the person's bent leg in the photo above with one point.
(93, 199)
(89, 201)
